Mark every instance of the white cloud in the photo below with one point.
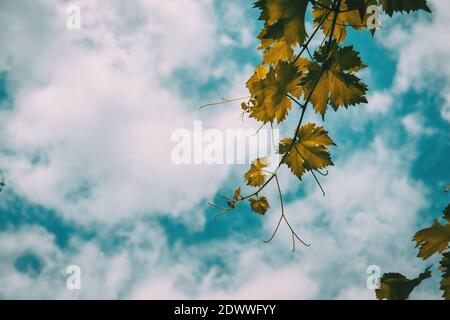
(103, 276)
(367, 218)
(379, 102)
(236, 32)
(422, 51)
(89, 135)
(445, 111)
(35, 240)
(415, 126)
(90, 132)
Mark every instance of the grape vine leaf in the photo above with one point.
(353, 14)
(360, 6)
(259, 205)
(256, 176)
(446, 215)
(236, 197)
(395, 286)
(259, 74)
(391, 6)
(237, 194)
(337, 84)
(434, 239)
(309, 152)
(269, 93)
(276, 51)
(284, 20)
(445, 280)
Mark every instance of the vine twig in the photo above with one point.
(233, 202)
(283, 217)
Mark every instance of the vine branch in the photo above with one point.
(233, 202)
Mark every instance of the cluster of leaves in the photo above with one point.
(290, 75)
(432, 240)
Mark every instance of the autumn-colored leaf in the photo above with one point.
(310, 150)
(256, 176)
(434, 239)
(446, 215)
(237, 194)
(391, 6)
(445, 279)
(395, 286)
(269, 94)
(245, 107)
(284, 20)
(359, 5)
(259, 74)
(345, 18)
(259, 205)
(276, 51)
(337, 84)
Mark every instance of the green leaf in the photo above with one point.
(434, 239)
(309, 152)
(445, 279)
(391, 6)
(337, 85)
(259, 205)
(395, 286)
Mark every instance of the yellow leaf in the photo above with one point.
(432, 240)
(445, 287)
(344, 19)
(309, 152)
(256, 177)
(446, 215)
(302, 65)
(445, 280)
(337, 84)
(259, 74)
(284, 20)
(259, 205)
(395, 286)
(269, 95)
(237, 194)
(279, 51)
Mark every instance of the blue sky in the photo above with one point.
(86, 118)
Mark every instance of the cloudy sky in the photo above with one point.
(86, 118)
